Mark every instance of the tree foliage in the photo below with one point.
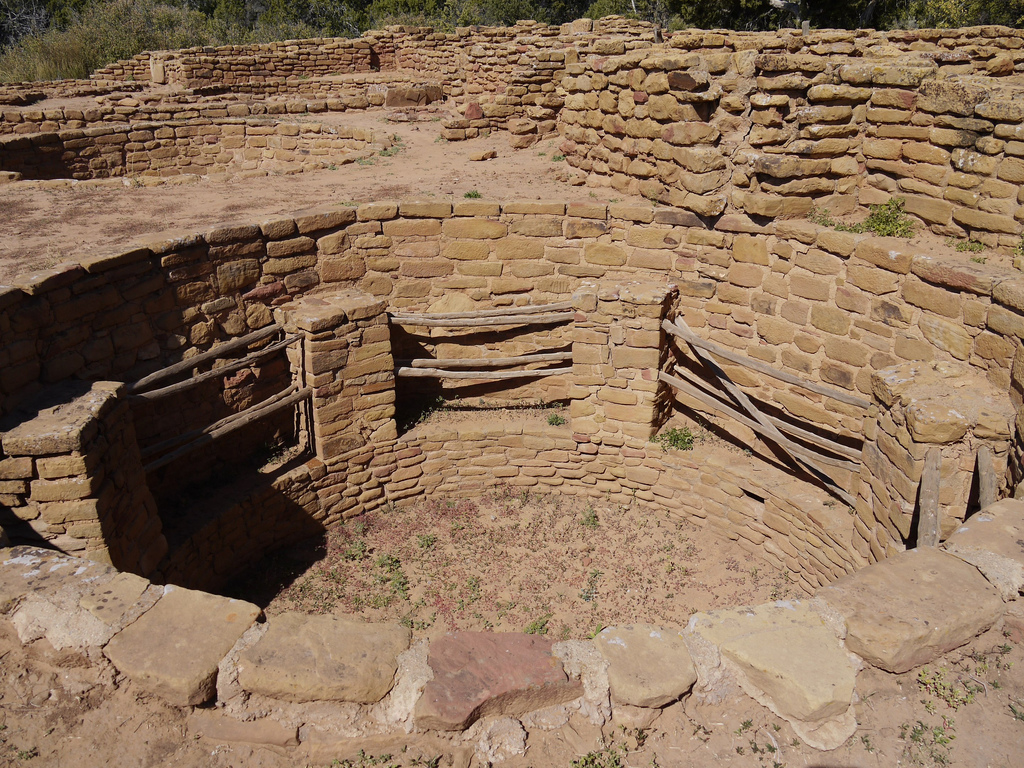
(42, 39)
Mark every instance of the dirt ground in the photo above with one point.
(515, 561)
(40, 227)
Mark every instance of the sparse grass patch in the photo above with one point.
(472, 195)
(885, 220)
(677, 438)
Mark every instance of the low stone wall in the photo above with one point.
(829, 306)
(71, 477)
(176, 147)
(190, 648)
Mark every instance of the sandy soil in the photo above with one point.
(516, 561)
(42, 227)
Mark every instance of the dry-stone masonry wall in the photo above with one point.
(173, 148)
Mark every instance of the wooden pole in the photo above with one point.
(929, 524)
(484, 322)
(800, 450)
(486, 362)
(499, 312)
(440, 373)
(213, 354)
(181, 386)
(756, 365)
(228, 425)
(988, 485)
(771, 431)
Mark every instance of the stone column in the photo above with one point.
(347, 362)
(919, 406)
(618, 349)
(72, 477)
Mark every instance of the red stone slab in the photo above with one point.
(483, 674)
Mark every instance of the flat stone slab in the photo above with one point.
(911, 608)
(321, 658)
(993, 542)
(174, 648)
(647, 666)
(484, 674)
(786, 651)
(72, 602)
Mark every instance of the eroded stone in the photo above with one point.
(173, 650)
(911, 608)
(316, 658)
(993, 542)
(647, 666)
(482, 674)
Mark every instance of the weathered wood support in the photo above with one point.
(929, 523)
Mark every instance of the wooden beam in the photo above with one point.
(761, 367)
(486, 362)
(440, 373)
(498, 312)
(484, 322)
(226, 426)
(713, 401)
(988, 484)
(213, 354)
(155, 394)
(929, 523)
(771, 431)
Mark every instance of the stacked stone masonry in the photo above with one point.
(173, 148)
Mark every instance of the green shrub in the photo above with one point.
(885, 220)
(556, 420)
(473, 195)
(680, 439)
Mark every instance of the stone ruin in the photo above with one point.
(895, 375)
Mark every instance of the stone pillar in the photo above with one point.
(72, 477)
(347, 362)
(618, 349)
(919, 406)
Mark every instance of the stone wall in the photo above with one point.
(829, 306)
(832, 307)
(197, 146)
(72, 478)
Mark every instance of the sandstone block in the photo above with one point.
(484, 674)
(912, 607)
(647, 666)
(314, 658)
(474, 229)
(173, 650)
(790, 660)
(993, 541)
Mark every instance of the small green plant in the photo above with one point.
(472, 195)
(426, 540)
(927, 744)
(885, 220)
(366, 161)
(955, 694)
(539, 626)
(1017, 712)
(558, 158)
(612, 757)
(589, 592)
(965, 246)
(680, 439)
(390, 151)
(355, 552)
(978, 259)
(590, 518)
(556, 420)
(28, 754)
(746, 725)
